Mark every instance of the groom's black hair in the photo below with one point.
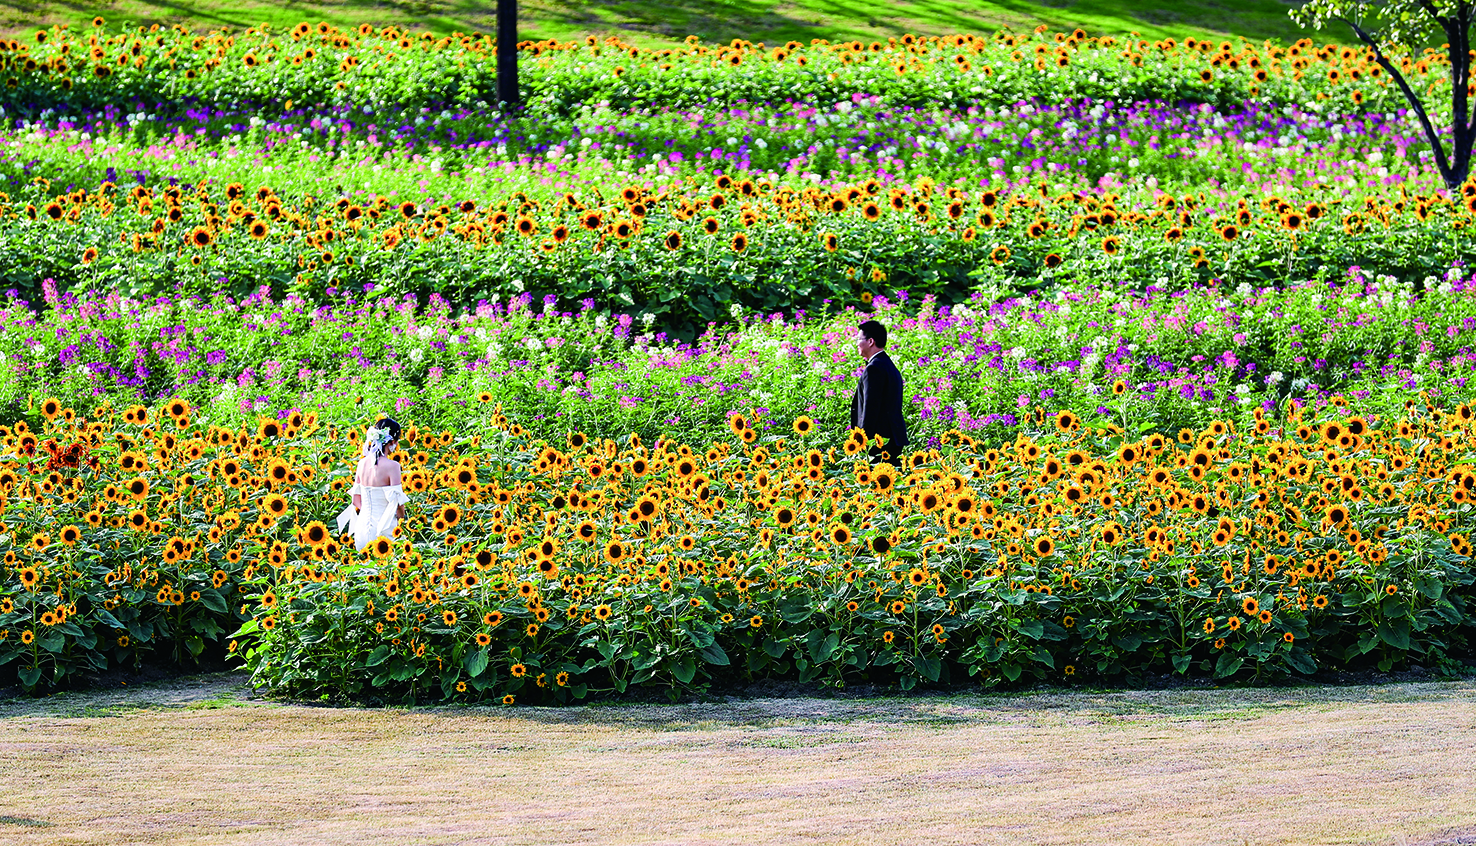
(876, 332)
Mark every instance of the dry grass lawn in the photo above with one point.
(202, 760)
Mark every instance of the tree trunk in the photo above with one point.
(1455, 168)
(1458, 35)
(507, 53)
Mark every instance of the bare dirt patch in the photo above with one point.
(203, 760)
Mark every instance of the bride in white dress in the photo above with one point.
(378, 498)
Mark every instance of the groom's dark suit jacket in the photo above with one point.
(877, 405)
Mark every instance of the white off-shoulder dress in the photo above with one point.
(376, 518)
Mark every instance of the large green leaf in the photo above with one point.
(476, 662)
(713, 654)
(212, 599)
(1395, 632)
(1299, 660)
(1227, 664)
(683, 669)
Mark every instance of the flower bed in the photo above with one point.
(548, 571)
(389, 68)
(1169, 358)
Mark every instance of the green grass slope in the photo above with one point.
(659, 22)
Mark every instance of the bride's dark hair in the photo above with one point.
(389, 425)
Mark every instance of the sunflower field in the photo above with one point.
(684, 183)
(1188, 331)
(530, 570)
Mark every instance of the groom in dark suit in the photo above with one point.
(876, 407)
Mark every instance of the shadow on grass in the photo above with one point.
(793, 707)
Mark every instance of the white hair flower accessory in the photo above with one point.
(375, 441)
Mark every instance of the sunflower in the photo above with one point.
(274, 504)
(739, 243)
(315, 534)
(451, 515)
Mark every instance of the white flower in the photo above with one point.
(647, 318)
(532, 344)
(417, 354)
(736, 311)
(424, 332)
